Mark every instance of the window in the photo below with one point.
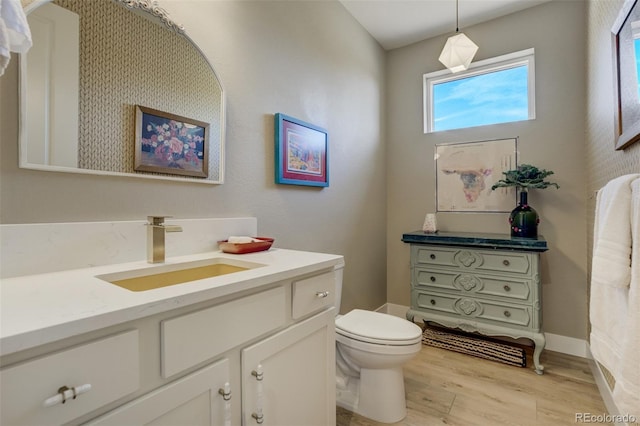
(497, 90)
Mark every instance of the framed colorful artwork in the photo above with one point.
(625, 40)
(466, 171)
(168, 143)
(302, 152)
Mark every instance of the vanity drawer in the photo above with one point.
(486, 285)
(110, 366)
(313, 294)
(475, 309)
(196, 337)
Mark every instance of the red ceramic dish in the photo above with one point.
(242, 248)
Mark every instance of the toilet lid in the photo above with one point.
(378, 326)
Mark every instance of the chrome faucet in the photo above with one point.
(155, 237)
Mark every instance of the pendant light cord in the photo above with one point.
(456, 16)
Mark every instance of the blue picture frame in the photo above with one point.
(301, 152)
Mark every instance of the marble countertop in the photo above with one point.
(475, 239)
(43, 308)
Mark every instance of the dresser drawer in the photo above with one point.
(196, 337)
(470, 259)
(312, 294)
(474, 309)
(469, 283)
(430, 255)
(110, 366)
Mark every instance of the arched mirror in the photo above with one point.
(93, 66)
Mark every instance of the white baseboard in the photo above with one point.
(555, 342)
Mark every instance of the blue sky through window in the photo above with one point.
(495, 97)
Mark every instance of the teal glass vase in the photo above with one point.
(524, 219)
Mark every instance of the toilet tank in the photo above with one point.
(338, 272)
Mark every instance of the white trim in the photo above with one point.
(394, 309)
(567, 345)
(511, 60)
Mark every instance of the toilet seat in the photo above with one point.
(378, 328)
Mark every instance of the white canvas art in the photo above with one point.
(466, 171)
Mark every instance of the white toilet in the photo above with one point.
(371, 348)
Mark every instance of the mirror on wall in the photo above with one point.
(91, 65)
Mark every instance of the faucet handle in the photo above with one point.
(157, 220)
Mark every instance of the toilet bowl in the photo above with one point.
(371, 348)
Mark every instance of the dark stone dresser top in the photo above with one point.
(473, 239)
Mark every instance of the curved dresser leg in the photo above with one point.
(539, 341)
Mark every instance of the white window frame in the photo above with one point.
(499, 63)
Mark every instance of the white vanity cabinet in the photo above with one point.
(193, 365)
(289, 378)
(107, 369)
(193, 400)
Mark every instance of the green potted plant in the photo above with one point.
(524, 219)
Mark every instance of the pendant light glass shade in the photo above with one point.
(458, 52)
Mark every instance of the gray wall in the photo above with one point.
(310, 60)
(554, 141)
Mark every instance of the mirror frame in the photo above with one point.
(625, 133)
(159, 15)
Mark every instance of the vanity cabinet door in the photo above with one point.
(289, 378)
(193, 400)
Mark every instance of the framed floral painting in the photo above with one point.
(302, 152)
(168, 143)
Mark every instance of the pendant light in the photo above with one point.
(458, 51)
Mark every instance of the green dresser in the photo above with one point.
(486, 283)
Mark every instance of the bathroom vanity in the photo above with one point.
(486, 283)
(250, 347)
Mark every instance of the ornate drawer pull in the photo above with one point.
(433, 302)
(322, 294)
(432, 256)
(507, 288)
(507, 314)
(506, 262)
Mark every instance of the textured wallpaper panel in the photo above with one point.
(603, 161)
(126, 60)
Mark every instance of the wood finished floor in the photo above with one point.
(449, 388)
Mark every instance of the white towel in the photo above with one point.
(612, 233)
(610, 270)
(15, 35)
(626, 392)
(611, 308)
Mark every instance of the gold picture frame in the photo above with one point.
(170, 144)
